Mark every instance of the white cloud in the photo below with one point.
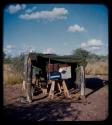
(94, 42)
(92, 45)
(95, 48)
(27, 48)
(76, 28)
(23, 6)
(83, 45)
(8, 49)
(31, 10)
(49, 51)
(10, 46)
(15, 8)
(28, 11)
(24, 48)
(55, 13)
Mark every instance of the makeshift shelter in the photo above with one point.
(42, 60)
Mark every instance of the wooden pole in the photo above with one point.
(48, 69)
(82, 81)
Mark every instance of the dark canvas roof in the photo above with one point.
(66, 59)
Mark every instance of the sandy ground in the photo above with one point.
(59, 109)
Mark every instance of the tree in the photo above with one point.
(81, 53)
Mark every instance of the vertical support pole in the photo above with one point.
(48, 70)
(82, 81)
(51, 93)
(77, 81)
(24, 86)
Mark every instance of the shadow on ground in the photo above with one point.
(94, 84)
(40, 111)
(50, 110)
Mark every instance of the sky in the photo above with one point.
(55, 28)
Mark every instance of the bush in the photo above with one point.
(17, 64)
(97, 68)
(9, 77)
(13, 72)
(13, 79)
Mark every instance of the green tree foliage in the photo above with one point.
(81, 53)
(84, 54)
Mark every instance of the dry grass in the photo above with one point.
(11, 77)
(97, 68)
(91, 68)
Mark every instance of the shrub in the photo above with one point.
(11, 77)
(97, 68)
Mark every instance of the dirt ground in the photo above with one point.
(60, 108)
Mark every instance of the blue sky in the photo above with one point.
(55, 28)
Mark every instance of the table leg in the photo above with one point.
(59, 87)
(51, 93)
(66, 93)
